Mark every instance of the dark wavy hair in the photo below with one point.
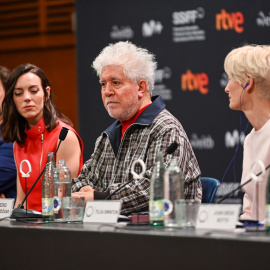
(4, 74)
(13, 123)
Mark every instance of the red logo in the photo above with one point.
(228, 21)
(197, 81)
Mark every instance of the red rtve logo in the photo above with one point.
(197, 81)
(228, 21)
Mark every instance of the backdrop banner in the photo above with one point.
(190, 40)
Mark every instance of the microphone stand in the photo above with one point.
(26, 192)
(20, 212)
(231, 192)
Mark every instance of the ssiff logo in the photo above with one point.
(197, 81)
(160, 87)
(188, 16)
(227, 21)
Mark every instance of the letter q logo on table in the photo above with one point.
(90, 211)
(203, 216)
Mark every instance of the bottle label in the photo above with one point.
(168, 207)
(156, 210)
(267, 220)
(47, 206)
(56, 204)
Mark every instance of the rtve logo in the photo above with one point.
(228, 21)
(197, 81)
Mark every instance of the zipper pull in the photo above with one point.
(42, 138)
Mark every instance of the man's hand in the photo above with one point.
(86, 188)
(2, 196)
(87, 192)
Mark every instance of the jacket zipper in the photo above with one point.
(40, 163)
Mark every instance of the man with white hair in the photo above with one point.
(143, 128)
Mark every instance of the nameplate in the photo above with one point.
(102, 211)
(6, 207)
(218, 216)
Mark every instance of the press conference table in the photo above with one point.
(100, 246)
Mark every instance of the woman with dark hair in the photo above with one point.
(32, 121)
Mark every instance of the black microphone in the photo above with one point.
(234, 190)
(19, 212)
(172, 147)
(62, 136)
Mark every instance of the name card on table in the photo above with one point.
(102, 211)
(6, 207)
(218, 216)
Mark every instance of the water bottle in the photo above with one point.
(62, 190)
(47, 188)
(267, 207)
(173, 192)
(156, 202)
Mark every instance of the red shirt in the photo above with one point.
(129, 122)
(38, 143)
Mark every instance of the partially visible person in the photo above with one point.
(142, 128)
(248, 70)
(33, 123)
(7, 165)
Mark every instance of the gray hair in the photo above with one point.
(137, 63)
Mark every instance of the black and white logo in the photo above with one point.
(151, 28)
(185, 26)
(263, 20)
(123, 32)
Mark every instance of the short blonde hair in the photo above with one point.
(250, 61)
(137, 63)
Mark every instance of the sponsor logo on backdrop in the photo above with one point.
(202, 142)
(224, 80)
(232, 138)
(151, 28)
(230, 21)
(191, 81)
(160, 88)
(263, 20)
(185, 28)
(123, 32)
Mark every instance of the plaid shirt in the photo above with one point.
(110, 164)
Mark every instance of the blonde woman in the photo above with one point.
(248, 89)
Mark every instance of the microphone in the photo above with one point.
(62, 137)
(19, 212)
(172, 147)
(253, 177)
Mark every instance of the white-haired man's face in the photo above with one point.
(119, 94)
